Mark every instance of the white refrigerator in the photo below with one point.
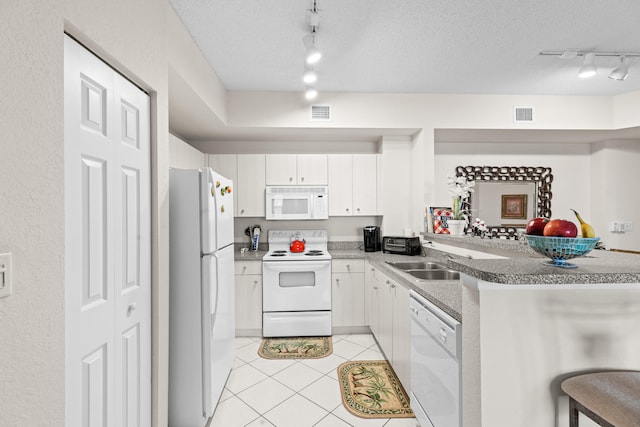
(201, 305)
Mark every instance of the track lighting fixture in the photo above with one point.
(589, 69)
(312, 54)
(309, 75)
(621, 71)
(310, 93)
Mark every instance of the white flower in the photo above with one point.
(459, 186)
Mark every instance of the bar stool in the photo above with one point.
(611, 399)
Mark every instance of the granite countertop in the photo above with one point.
(445, 294)
(524, 266)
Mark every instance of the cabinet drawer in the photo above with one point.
(347, 266)
(248, 267)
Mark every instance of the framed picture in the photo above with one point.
(439, 217)
(514, 206)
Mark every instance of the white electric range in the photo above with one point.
(296, 287)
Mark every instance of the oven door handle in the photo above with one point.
(295, 266)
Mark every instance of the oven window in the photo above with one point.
(297, 279)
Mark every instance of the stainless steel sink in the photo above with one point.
(434, 274)
(416, 265)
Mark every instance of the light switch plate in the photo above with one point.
(6, 273)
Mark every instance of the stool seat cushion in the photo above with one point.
(614, 396)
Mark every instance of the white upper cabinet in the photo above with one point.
(340, 167)
(251, 185)
(296, 169)
(352, 184)
(365, 184)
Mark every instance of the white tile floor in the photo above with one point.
(294, 393)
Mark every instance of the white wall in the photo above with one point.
(614, 165)
(569, 163)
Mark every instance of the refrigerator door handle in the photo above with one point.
(209, 305)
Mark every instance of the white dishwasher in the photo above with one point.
(435, 364)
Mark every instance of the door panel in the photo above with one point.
(107, 240)
(94, 388)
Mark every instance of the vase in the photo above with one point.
(456, 227)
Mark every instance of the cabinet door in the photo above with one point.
(375, 294)
(364, 184)
(251, 185)
(227, 166)
(281, 169)
(401, 335)
(312, 169)
(347, 299)
(386, 317)
(248, 301)
(340, 167)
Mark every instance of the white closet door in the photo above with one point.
(107, 256)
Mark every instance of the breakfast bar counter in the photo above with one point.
(520, 265)
(527, 324)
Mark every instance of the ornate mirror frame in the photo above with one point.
(540, 176)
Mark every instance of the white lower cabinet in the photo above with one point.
(347, 293)
(401, 333)
(248, 277)
(388, 314)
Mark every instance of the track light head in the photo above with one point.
(309, 75)
(312, 54)
(621, 71)
(310, 93)
(589, 68)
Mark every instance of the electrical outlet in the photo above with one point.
(6, 284)
(621, 226)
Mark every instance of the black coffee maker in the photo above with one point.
(371, 238)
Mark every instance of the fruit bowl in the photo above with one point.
(560, 249)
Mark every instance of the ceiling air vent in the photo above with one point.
(320, 113)
(523, 114)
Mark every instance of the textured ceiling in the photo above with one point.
(417, 46)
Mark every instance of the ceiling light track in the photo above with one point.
(312, 53)
(566, 54)
(589, 68)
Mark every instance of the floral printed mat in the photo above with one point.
(295, 348)
(370, 389)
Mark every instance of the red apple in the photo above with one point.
(536, 226)
(560, 228)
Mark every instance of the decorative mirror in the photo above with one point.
(507, 197)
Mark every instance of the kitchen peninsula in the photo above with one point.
(527, 326)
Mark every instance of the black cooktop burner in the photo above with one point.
(279, 252)
(314, 253)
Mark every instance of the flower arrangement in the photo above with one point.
(459, 188)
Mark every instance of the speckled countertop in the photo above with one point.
(524, 266)
(447, 295)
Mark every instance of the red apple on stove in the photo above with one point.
(536, 226)
(560, 228)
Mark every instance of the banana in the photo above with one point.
(587, 229)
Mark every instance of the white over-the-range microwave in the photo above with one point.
(297, 202)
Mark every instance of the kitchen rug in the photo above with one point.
(370, 389)
(295, 348)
